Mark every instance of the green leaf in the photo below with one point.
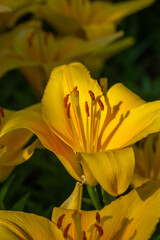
(3, 191)
(21, 203)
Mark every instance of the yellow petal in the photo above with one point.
(116, 47)
(31, 119)
(113, 169)
(18, 156)
(132, 126)
(19, 225)
(75, 199)
(120, 97)
(133, 216)
(113, 12)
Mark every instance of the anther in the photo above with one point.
(66, 230)
(75, 89)
(66, 100)
(92, 95)
(84, 236)
(68, 110)
(60, 219)
(98, 218)
(99, 229)
(100, 104)
(87, 108)
(2, 112)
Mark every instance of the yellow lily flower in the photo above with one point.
(124, 218)
(13, 150)
(36, 52)
(92, 19)
(147, 160)
(90, 131)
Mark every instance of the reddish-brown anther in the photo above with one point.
(100, 104)
(75, 88)
(68, 110)
(98, 218)
(60, 219)
(2, 112)
(66, 230)
(92, 95)
(66, 100)
(99, 229)
(84, 236)
(87, 108)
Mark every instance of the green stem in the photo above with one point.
(92, 191)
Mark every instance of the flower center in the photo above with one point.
(85, 127)
(78, 232)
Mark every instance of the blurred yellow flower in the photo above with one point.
(36, 52)
(14, 10)
(147, 160)
(90, 131)
(124, 218)
(88, 19)
(13, 149)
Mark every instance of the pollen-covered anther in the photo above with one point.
(98, 218)
(65, 232)
(66, 100)
(87, 108)
(100, 104)
(84, 236)
(92, 95)
(68, 110)
(99, 229)
(75, 88)
(60, 219)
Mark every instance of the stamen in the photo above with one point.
(84, 236)
(60, 219)
(68, 110)
(2, 112)
(77, 117)
(100, 104)
(77, 223)
(99, 229)
(66, 100)
(75, 88)
(92, 95)
(96, 130)
(87, 109)
(66, 230)
(98, 218)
